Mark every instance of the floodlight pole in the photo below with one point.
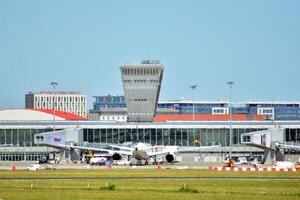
(193, 87)
(230, 83)
(54, 84)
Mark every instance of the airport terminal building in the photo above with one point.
(141, 82)
(17, 139)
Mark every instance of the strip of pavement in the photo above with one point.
(155, 179)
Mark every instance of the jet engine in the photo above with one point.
(116, 156)
(170, 157)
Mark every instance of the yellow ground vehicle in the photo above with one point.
(88, 156)
(229, 162)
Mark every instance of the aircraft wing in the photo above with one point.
(129, 153)
(157, 153)
(105, 150)
(122, 147)
(132, 149)
(153, 148)
(288, 146)
(178, 149)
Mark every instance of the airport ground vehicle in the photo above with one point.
(240, 161)
(99, 159)
(43, 160)
(34, 167)
(228, 162)
(284, 164)
(122, 162)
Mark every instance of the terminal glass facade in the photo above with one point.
(22, 156)
(19, 137)
(18, 144)
(166, 136)
(158, 136)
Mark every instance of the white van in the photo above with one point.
(241, 161)
(284, 164)
(98, 160)
(34, 167)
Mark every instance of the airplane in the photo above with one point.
(140, 151)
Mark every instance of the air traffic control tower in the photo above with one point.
(141, 84)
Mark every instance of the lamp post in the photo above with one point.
(54, 84)
(230, 83)
(193, 87)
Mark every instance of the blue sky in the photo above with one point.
(81, 43)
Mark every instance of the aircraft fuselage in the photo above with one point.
(140, 155)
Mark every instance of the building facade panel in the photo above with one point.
(72, 102)
(285, 110)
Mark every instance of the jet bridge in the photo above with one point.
(267, 140)
(59, 140)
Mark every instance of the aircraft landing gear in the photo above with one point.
(154, 162)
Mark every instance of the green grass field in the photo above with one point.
(147, 189)
(117, 173)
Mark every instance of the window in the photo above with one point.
(246, 139)
(220, 111)
(39, 138)
(267, 112)
(138, 100)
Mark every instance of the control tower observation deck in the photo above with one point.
(141, 84)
